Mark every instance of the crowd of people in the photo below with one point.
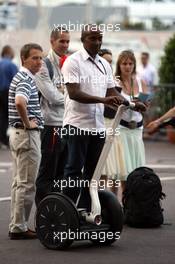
(53, 106)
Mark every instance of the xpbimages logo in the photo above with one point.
(72, 131)
(79, 27)
(102, 236)
(80, 183)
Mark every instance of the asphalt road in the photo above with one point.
(136, 246)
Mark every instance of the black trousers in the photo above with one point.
(84, 150)
(53, 159)
(4, 117)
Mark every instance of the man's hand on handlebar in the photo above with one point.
(113, 101)
(139, 106)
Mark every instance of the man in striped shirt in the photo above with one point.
(25, 121)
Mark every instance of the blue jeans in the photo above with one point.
(84, 150)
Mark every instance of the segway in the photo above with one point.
(59, 222)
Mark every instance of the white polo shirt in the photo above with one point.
(94, 79)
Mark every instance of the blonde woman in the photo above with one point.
(111, 165)
(131, 124)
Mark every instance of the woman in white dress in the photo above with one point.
(127, 152)
(112, 162)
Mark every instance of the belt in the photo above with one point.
(20, 126)
(132, 124)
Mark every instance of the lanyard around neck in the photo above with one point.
(98, 66)
(132, 89)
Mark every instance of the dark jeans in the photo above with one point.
(83, 153)
(53, 159)
(4, 117)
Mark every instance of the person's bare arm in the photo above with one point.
(21, 107)
(167, 115)
(153, 126)
(76, 94)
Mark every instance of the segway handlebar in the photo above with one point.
(95, 215)
(129, 104)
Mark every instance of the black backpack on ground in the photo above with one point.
(141, 199)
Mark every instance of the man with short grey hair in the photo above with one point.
(49, 83)
(146, 71)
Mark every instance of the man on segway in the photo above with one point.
(89, 85)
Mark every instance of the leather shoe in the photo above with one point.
(31, 230)
(29, 234)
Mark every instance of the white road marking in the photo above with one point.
(161, 178)
(167, 178)
(161, 166)
(6, 164)
(5, 199)
(153, 166)
(171, 167)
(3, 170)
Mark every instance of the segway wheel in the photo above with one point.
(112, 214)
(56, 219)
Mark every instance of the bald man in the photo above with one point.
(89, 85)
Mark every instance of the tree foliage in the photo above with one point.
(167, 77)
(167, 68)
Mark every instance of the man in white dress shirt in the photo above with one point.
(147, 71)
(89, 85)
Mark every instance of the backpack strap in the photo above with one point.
(49, 67)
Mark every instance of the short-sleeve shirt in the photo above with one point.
(23, 84)
(94, 79)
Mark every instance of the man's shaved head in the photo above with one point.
(91, 37)
(88, 29)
